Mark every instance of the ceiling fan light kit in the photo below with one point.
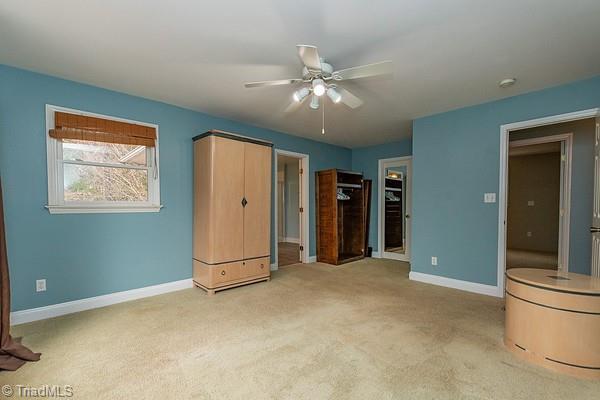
(300, 94)
(317, 75)
(318, 87)
(334, 95)
(314, 102)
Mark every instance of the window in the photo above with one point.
(100, 164)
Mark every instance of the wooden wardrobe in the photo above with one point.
(232, 210)
(340, 216)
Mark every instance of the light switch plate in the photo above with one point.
(529, 234)
(489, 197)
(40, 285)
(434, 261)
(531, 203)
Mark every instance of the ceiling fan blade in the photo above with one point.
(272, 83)
(294, 105)
(310, 57)
(348, 98)
(363, 71)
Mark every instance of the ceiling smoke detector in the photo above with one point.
(504, 83)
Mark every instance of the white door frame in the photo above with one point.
(382, 165)
(564, 221)
(304, 203)
(503, 178)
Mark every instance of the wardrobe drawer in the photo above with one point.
(212, 276)
(226, 272)
(256, 267)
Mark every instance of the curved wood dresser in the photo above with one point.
(553, 320)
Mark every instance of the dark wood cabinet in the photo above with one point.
(340, 216)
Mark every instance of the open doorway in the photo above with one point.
(394, 208)
(576, 133)
(539, 175)
(291, 212)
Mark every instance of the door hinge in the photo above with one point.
(301, 209)
(301, 171)
(301, 248)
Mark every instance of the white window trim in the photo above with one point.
(56, 203)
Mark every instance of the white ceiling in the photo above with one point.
(198, 54)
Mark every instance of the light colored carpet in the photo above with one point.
(357, 331)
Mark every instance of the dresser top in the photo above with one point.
(555, 280)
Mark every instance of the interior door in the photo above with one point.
(228, 192)
(257, 192)
(595, 230)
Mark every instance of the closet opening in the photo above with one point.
(291, 208)
(394, 208)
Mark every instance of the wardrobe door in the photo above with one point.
(202, 199)
(257, 213)
(227, 219)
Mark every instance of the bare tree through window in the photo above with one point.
(96, 171)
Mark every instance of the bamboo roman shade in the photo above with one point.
(81, 127)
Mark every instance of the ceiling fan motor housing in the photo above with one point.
(326, 71)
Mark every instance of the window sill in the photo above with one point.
(101, 209)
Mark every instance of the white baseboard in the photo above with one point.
(376, 254)
(455, 284)
(312, 259)
(274, 267)
(291, 240)
(55, 310)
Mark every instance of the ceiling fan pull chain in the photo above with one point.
(323, 127)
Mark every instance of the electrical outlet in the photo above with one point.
(434, 261)
(531, 203)
(40, 285)
(529, 234)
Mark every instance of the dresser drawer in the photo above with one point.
(212, 276)
(226, 272)
(256, 267)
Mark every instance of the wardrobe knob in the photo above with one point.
(223, 272)
(262, 266)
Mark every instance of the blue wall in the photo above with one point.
(84, 255)
(456, 158)
(366, 160)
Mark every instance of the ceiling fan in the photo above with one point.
(319, 78)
